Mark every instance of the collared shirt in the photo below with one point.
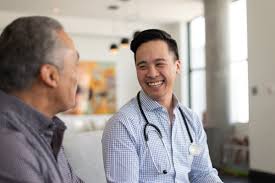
(31, 150)
(129, 159)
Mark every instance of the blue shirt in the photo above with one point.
(129, 159)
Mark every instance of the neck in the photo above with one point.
(168, 104)
(37, 100)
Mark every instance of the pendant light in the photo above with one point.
(124, 42)
(113, 48)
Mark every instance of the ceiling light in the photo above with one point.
(113, 48)
(113, 7)
(124, 42)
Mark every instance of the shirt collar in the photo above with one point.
(175, 102)
(149, 104)
(13, 105)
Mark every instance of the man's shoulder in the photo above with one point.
(14, 136)
(127, 116)
(124, 124)
(13, 144)
(190, 114)
(6, 120)
(18, 158)
(11, 137)
(192, 117)
(187, 111)
(127, 111)
(131, 105)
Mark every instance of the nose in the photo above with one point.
(152, 72)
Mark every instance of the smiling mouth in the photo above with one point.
(155, 84)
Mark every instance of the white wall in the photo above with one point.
(261, 61)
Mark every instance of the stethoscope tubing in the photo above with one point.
(147, 123)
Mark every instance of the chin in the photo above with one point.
(72, 105)
(68, 106)
(154, 96)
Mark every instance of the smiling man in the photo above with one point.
(154, 138)
(38, 79)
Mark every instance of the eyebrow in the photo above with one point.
(159, 59)
(156, 60)
(141, 62)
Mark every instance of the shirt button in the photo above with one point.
(164, 171)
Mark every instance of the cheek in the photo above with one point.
(141, 79)
(74, 76)
(141, 74)
(78, 71)
(72, 81)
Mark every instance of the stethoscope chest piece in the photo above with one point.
(195, 149)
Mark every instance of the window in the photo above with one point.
(239, 68)
(197, 66)
(239, 64)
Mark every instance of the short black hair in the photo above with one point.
(154, 34)
(25, 45)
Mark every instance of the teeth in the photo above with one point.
(155, 83)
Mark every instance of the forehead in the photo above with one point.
(152, 49)
(152, 45)
(64, 37)
(68, 42)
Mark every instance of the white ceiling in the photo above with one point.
(161, 11)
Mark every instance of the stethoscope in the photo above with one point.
(194, 149)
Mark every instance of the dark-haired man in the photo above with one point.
(38, 79)
(154, 138)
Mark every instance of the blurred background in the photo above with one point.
(228, 60)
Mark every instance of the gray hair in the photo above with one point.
(25, 45)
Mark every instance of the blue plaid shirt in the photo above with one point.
(129, 159)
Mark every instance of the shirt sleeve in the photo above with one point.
(120, 156)
(66, 166)
(202, 170)
(75, 178)
(17, 161)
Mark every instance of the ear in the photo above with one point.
(178, 66)
(49, 75)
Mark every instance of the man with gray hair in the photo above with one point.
(38, 79)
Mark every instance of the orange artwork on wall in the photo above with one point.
(96, 92)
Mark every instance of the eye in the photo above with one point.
(160, 64)
(142, 66)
